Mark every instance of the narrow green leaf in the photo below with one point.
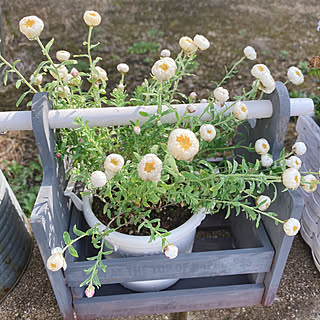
(66, 238)
(48, 45)
(73, 251)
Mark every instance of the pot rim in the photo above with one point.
(187, 227)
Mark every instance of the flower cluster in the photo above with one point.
(142, 168)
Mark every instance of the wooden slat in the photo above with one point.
(200, 264)
(169, 301)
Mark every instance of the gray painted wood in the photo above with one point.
(309, 132)
(168, 301)
(50, 215)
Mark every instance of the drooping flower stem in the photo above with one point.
(73, 241)
(18, 73)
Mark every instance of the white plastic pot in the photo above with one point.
(132, 246)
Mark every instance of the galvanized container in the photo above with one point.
(15, 239)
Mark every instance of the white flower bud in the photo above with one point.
(102, 74)
(266, 160)
(203, 101)
(31, 27)
(136, 129)
(62, 71)
(309, 183)
(207, 132)
(187, 45)
(250, 53)
(294, 162)
(62, 55)
(74, 72)
(165, 53)
(291, 226)
(63, 92)
(171, 251)
(98, 179)
(150, 167)
(262, 146)
(295, 75)
(193, 95)
(265, 205)
(164, 69)
(201, 42)
(89, 292)
(240, 111)
(191, 108)
(121, 86)
(122, 67)
(299, 148)
(56, 261)
(291, 178)
(183, 144)
(92, 18)
(221, 95)
(37, 80)
(114, 162)
(267, 83)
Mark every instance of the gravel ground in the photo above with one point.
(298, 295)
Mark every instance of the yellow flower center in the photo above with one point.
(297, 163)
(243, 109)
(184, 142)
(295, 229)
(298, 73)
(92, 14)
(114, 162)
(164, 67)
(149, 166)
(188, 40)
(29, 23)
(53, 265)
(296, 179)
(264, 146)
(260, 68)
(209, 131)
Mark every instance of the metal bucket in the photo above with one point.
(15, 239)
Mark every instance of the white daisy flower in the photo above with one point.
(62, 55)
(309, 183)
(295, 75)
(171, 251)
(265, 205)
(150, 167)
(294, 162)
(183, 144)
(262, 146)
(291, 226)
(260, 70)
(62, 71)
(122, 67)
(191, 108)
(56, 261)
(221, 95)
(102, 74)
(250, 53)
(63, 91)
(37, 80)
(187, 45)
(267, 83)
(240, 111)
(299, 148)
(31, 27)
(92, 18)
(266, 160)
(114, 162)
(165, 53)
(207, 132)
(291, 178)
(98, 179)
(164, 69)
(201, 42)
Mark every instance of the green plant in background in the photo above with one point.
(25, 182)
(145, 167)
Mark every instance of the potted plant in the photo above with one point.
(151, 180)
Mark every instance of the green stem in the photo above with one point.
(89, 53)
(18, 73)
(159, 111)
(73, 241)
(230, 71)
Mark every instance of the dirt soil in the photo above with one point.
(283, 33)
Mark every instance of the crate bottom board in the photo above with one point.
(187, 295)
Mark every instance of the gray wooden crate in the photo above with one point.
(241, 269)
